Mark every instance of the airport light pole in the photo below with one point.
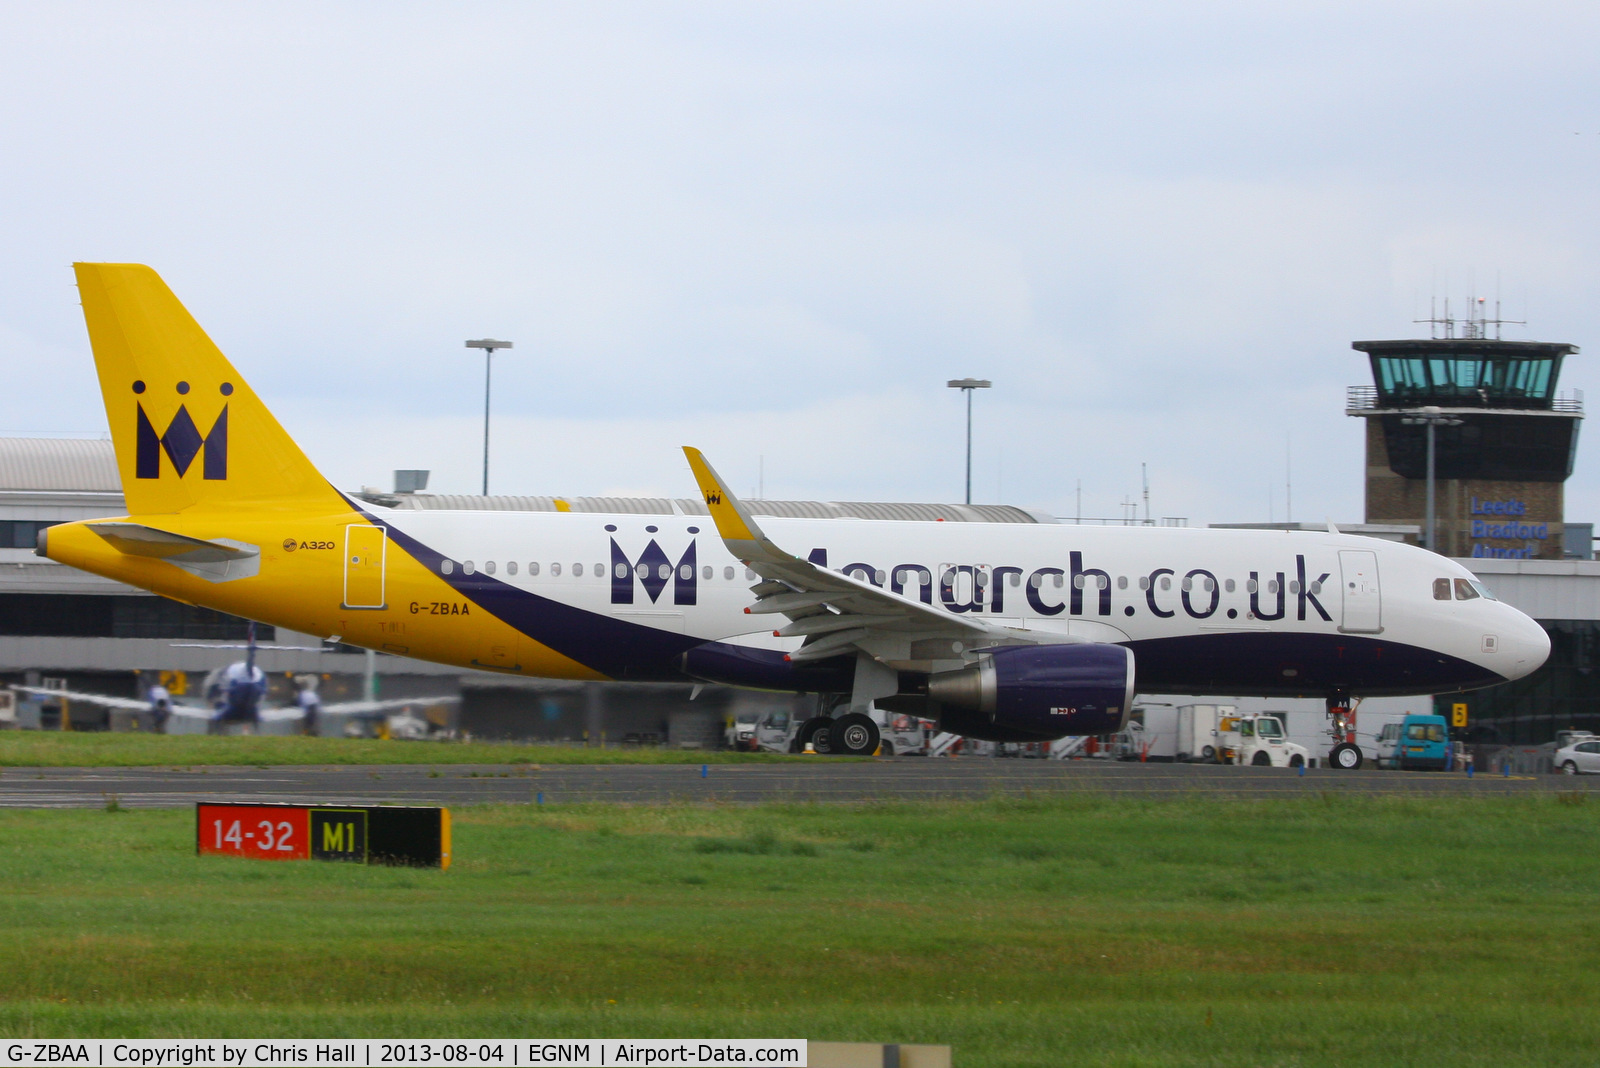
(1432, 418)
(967, 385)
(488, 345)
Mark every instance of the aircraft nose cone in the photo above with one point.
(1529, 646)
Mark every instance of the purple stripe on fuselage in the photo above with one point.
(613, 647)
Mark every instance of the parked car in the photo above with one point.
(1579, 758)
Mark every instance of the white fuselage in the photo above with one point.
(1262, 612)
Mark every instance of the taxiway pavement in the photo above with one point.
(819, 780)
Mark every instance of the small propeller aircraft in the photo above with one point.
(234, 694)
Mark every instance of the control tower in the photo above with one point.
(1504, 438)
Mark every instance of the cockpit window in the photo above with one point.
(1483, 591)
(1441, 589)
(1464, 590)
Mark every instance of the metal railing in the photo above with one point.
(1366, 399)
(1124, 521)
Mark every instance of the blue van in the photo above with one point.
(1423, 743)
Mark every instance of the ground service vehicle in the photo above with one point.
(1384, 745)
(740, 732)
(1197, 731)
(1258, 739)
(1010, 632)
(1422, 743)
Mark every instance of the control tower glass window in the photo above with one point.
(1466, 380)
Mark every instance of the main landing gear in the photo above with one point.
(855, 733)
(852, 734)
(1345, 754)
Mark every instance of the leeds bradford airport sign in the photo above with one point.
(1511, 529)
(360, 834)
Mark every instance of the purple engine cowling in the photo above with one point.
(1038, 692)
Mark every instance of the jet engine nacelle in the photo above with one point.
(1037, 692)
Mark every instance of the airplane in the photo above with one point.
(999, 632)
(234, 694)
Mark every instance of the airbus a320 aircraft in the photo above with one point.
(1000, 632)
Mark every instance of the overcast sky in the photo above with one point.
(775, 231)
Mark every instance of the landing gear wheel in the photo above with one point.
(886, 749)
(814, 732)
(1345, 757)
(1261, 760)
(853, 734)
(1569, 768)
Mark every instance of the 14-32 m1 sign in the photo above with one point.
(378, 834)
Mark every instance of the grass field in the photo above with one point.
(1315, 931)
(105, 749)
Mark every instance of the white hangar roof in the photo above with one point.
(73, 465)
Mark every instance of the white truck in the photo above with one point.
(1258, 739)
(739, 731)
(1164, 734)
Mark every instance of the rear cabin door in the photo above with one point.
(1363, 605)
(365, 547)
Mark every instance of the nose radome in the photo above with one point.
(1529, 645)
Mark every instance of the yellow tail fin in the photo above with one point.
(189, 431)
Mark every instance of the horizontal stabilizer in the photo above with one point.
(221, 560)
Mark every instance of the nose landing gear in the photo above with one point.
(1345, 754)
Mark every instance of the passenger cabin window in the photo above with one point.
(1441, 589)
(599, 570)
(555, 569)
(707, 571)
(1464, 590)
(727, 573)
(467, 567)
(533, 567)
(577, 571)
(488, 567)
(511, 567)
(446, 566)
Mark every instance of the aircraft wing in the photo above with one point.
(130, 703)
(191, 711)
(348, 708)
(833, 611)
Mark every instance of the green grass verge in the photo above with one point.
(104, 749)
(1085, 930)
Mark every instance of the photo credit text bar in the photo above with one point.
(344, 1053)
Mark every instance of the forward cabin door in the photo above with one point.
(365, 548)
(1363, 604)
